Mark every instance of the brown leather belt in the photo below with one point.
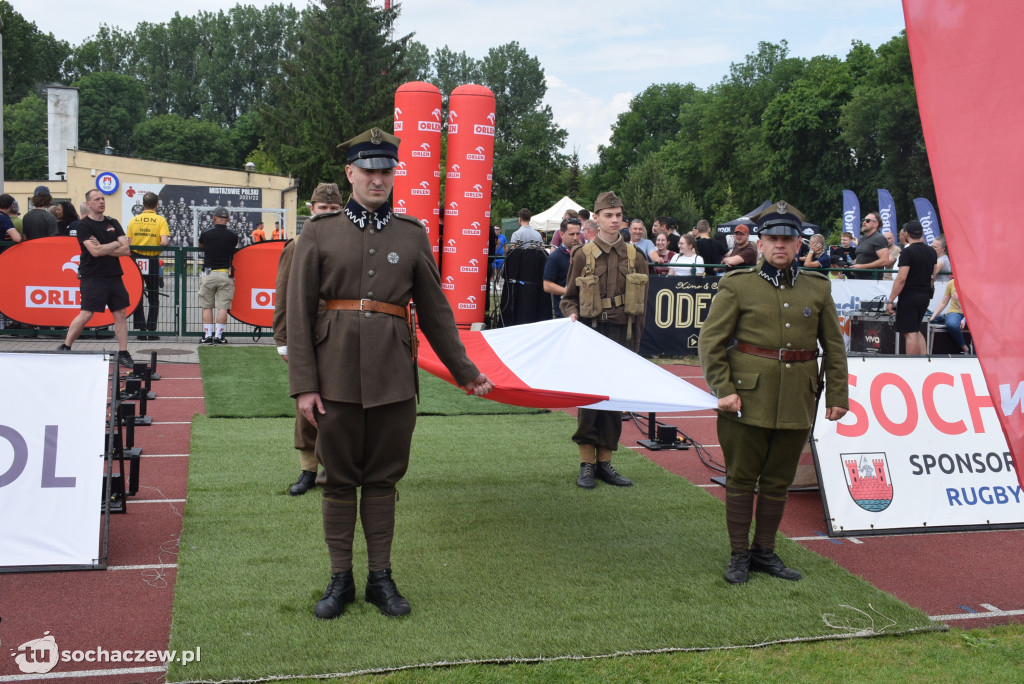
(777, 354)
(367, 305)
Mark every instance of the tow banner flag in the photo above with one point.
(887, 209)
(851, 213)
(928, 219)
(526, 364)
(957, 47)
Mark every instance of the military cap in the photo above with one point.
(373, 149)
(607, 200)
(328, 193)
(779, 219)
(220, 212)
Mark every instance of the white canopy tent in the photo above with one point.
(551, 219)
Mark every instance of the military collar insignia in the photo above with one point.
(360, 215)
(775, 276)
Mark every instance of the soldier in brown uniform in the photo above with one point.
(607, 289)
(351, 365)
(758, 348)
(326, 199)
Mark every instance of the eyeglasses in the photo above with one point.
(869, 220)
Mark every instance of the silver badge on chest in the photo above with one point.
(392, 257)
(807, 312)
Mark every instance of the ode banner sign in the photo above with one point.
(920, 449)
(51, 458)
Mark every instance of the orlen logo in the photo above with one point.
(478, 155)
(472, 267)
(450, 247)
(452, 126)
(424, 189)
(480, 129)
(476, 192)
(49, 297)
(470, 303)
(424, 150)
(262, 298)
(432, 126)
(400, 206)
(449, 283)
(398, 122)
(453, 209)
(455, 172)
(475, 230)
(400, 169)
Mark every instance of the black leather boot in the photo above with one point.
(341, 591)
(766, 560)
(606, 473)
(382, 592)
(738, 571)
(306, 481)
(586, 478)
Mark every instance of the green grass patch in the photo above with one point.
(500, 554)
(252, 381)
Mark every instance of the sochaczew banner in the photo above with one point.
(919, 450)
(967, 60)
(51, 457)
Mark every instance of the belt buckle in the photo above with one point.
(362, 304)
(603, 317)
(781, 353)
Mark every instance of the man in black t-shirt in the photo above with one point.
(710, 250)
(216, 286)
(103, 242)
(913, 286)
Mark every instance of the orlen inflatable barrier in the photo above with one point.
(418, 122)
(255, 282)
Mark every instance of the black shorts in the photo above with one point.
(910, 308)
(101, 292)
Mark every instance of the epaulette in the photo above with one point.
(321, 215)
(813, 273)
(737, 271)
(408, 217)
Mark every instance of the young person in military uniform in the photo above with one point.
(607, 289)
(326, 199)
(148, 232)
(758, 348)
(351, 365)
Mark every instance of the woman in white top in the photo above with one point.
(687, 255)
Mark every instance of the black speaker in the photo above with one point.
(870, 334)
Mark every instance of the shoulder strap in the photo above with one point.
(631, 251)
(590, 250)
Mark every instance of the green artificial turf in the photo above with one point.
(500, 554)
(252, 381)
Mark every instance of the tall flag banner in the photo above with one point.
(957, 48)
(851, 213)
(418, 120)
(928, 219)
(887, 208)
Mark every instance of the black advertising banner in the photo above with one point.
(676, 309)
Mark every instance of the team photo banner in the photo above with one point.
(51, 458)
(920, 450)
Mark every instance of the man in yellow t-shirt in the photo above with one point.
(148, 233)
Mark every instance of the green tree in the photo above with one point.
(417, 60)
(450, 69)
(25, 153)
(109, 107)
(341, 81)
(30, 56)
(111, 49)
(169, 137)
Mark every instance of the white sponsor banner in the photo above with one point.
(51, 457)
(851, 295)
(920, 449)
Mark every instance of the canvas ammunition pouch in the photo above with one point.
(592, 304)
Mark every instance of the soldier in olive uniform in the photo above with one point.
(758, 348)
(326, 199)
(351, 363)
(614, 263)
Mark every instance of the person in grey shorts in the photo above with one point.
(216, 286)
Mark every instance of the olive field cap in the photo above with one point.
(328, 193)
(607, 200)
(373, 149)
(780, 218)
(220, 212)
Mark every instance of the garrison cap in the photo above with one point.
(220, 212)
(328, 193)
(607, 200)
(780, 219)
(373, 149)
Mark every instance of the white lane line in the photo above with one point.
(113, 672)
(160, 396)
(171, 422)
(992, 612)
(154, 566)
(141, 501)
(145, 455)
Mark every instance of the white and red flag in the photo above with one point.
(564, 364)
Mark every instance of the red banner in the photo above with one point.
(418, 122)
(967, 60)
(467, 201)
(256, 282)
(40, 283)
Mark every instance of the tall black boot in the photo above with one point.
(341, 591)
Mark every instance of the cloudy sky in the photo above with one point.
(596, 54)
